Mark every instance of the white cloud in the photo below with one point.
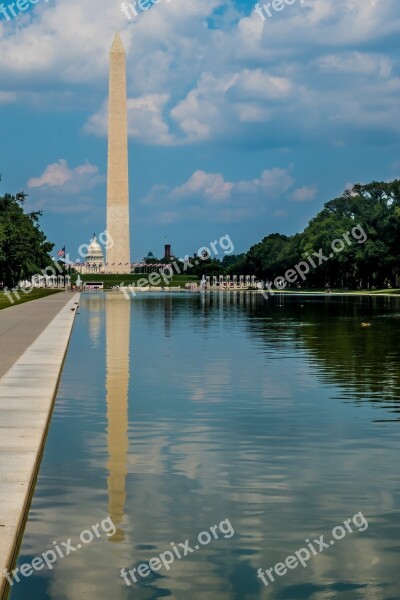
(357, 63)
(304, 193)
(54, 175)
(145, 120)
(276, 181)
(61, 189)
(308, 76)
(272, 182)
(257, 84)
(81, 178)
(204, 196)
(210, 185)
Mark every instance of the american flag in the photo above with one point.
(61, 252)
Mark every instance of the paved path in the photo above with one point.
(27, 392)
(20, 325)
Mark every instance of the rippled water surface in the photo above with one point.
(177, 412)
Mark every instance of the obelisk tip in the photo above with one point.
(117, 45)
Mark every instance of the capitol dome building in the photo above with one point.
(94, 260)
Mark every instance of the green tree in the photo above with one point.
(24, 248)
(375, 207)
(211, 266)
(269, 258)
(374, 261)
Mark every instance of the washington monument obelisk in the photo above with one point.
(118, 255)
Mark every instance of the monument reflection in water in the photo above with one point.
(282, 416)
(117, 384)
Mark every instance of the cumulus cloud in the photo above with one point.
(197, 74)
(204, 196)
(145, 120)
(63, 189)
(210, 185)
(304, 193)
(356, 63)
(83, 177)
(54, 175)
(272, 182)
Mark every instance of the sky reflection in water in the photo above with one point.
(176, 412)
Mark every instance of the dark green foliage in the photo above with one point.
(24, 249)
(376, 262)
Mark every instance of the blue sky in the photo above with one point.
(236, 126)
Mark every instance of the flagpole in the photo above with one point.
(69, 266)
(67, 269)
(65, 258)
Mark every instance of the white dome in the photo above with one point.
(94, 257)
(94, 249)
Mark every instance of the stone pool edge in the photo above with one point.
(27, 394)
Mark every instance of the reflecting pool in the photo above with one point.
(178, 412)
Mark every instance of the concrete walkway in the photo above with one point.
(33, 342)
(20, 325)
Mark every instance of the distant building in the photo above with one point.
(94, 260)
(168, 256)
(150, 258)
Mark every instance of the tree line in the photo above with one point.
(372, 261)
(375, 207)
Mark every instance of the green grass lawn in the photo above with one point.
(112, 280)
(33, 295)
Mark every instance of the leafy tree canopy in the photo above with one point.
(374, 261)
(24, 248)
